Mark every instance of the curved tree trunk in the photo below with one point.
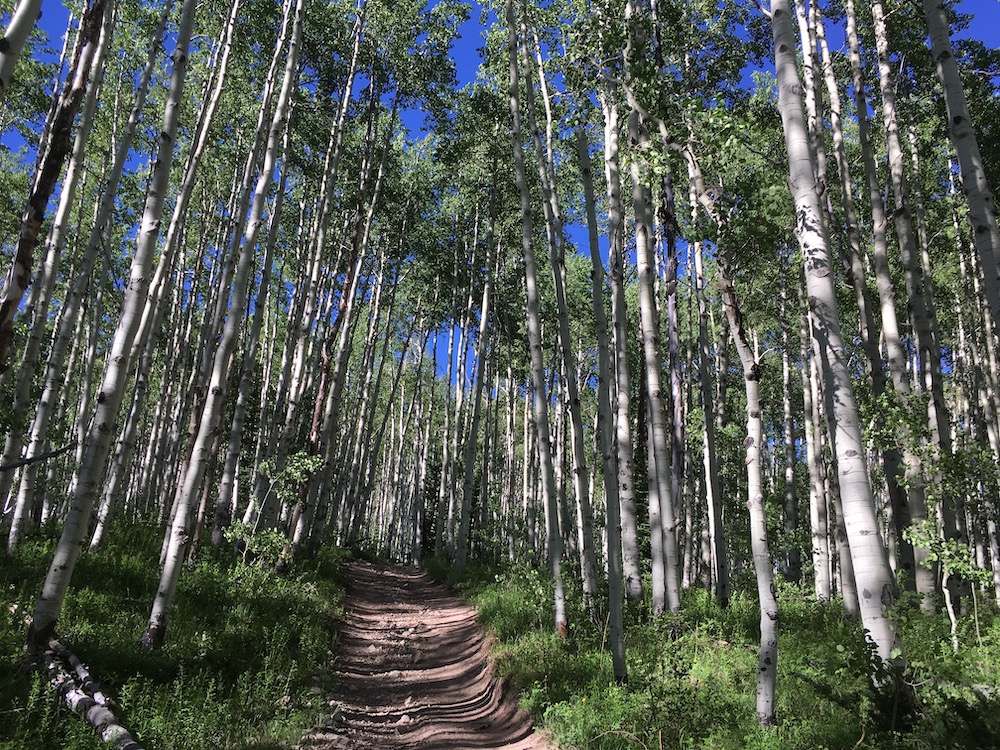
(767, 662)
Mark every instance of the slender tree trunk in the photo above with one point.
(471, 444)
(54, 379)
(14, 39)
(767, 669)
(793, 557)
(926, 340)
(535, 334)
(609, 468)
(978, 192)
(56, 148)
(912, 504)
(874, 578)
(554, 231)
(207, 430)
(619, 322)
(712, 474)
(114, 380)
(666, 589)
(54, 246)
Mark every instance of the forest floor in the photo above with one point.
(413, 670)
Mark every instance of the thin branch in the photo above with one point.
(35, 459)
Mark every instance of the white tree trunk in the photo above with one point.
(207, 430)
(535, 336)
(767, 663)
(874, 578)
(978, 192)
(619, 322)
(112, 391)
(21, 24)
(606, 441)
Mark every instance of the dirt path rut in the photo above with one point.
(413, 671)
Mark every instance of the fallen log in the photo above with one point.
(82, 694)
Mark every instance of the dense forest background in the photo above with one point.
(677, 323)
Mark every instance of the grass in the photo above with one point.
(248, 653)
(244, 666)
(692, 673)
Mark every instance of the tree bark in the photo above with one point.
(113, 382)
(606, 444)
(978, 192)
(56, 148)
(874, 578)
(619, 323)
(541, 404)
(14, 39)
(767, 662)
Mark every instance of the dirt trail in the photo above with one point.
(413, 671)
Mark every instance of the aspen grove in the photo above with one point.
(680, 303)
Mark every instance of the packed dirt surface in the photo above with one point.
(413, 671)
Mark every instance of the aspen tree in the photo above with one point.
(713, 479)
(353, 456)
(56, 148)
(14, 39)
(914, 507)
(767, 662)
(290, 381)
(54, 378)
(917, 294)
(53, 251)
(155, 305)
(207, 430)
(327, 407)
(874, 578)
(113, 382)
(541, 404)
(227, 485)
(665, 578)
(554, 232)
(793, 557)
(55, 144)
(975, 185)
(619, 324)
(440, 537)
(482, 343)
(606, 443)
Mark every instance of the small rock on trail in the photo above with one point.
(413, 672)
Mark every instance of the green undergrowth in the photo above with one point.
(691, 681)
(244, 663)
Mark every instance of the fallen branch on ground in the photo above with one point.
(82, 694)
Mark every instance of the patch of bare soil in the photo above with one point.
(413, 671)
